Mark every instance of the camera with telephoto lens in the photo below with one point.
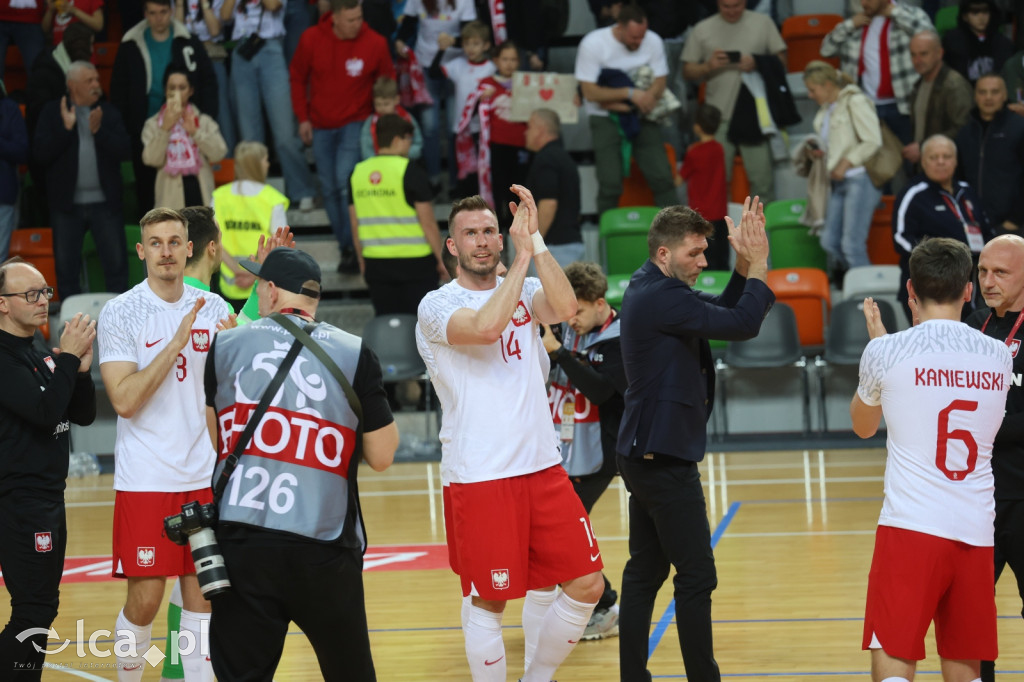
(194, 525)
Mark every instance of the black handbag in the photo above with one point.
(250, 46)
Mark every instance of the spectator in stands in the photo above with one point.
(202, 19)
(48, 79)
(883, 27)
(850, 134)
(246, 209)
(81, 141)
(556, 182)
(625, 47)
(941, 98)
(332, 76)
(181, 142)
(991, 149)
(136, 87)
(933, 204)
(298, 16)
(719, 51)
(1013, 76)
(423, 22)
(20, 24)
(975, 46)
(386, 101)
(60, 14)
(703, 169)
(509, 156)
(13, 151)
(392, 212)
(259, 78)
(465, 72)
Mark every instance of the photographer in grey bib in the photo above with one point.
(289, 515)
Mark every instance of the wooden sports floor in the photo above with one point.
(793, 534)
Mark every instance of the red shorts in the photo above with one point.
(141, 549)
(520, 533)
(449, 528)
(916, 577)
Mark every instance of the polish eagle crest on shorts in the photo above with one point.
(521, 316)
(499, 577)
(201, 340)
(44, 541)
(145, 556)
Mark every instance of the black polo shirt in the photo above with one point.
(553, 175)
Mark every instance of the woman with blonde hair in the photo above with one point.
(246, 209)
(850, 134)
(181, 142)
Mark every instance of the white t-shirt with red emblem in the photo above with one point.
(165, 446)
(496, 422)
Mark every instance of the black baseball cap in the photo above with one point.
(288, 269)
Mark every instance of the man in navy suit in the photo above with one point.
(664, 331)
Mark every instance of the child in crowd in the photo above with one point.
(703, 169)
(466, 72)
(509, 158)
(385, 101)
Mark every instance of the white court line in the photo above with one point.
(787, 534)
(75, 673)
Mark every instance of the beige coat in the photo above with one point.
(169, 190)
(854, 132)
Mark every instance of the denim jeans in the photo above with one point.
(336, 151)
(431, 123)
(851, 206)
(28, 37)
(107, 229)
(226, 103)
(263, 82)
(296, 20)
(8, 221)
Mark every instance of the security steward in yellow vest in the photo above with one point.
(243, 219)
(393, 227)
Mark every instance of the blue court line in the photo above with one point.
(666, 618)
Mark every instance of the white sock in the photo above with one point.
(130, 668)
(485, 649)
(467, 604)
(903, 679)
(176, 594)
(196, 662)
(535, 607)
(563, 626)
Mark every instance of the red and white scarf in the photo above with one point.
(498, 21)
(182, 150)
(475, 160)
(412, 85)
(885, 76)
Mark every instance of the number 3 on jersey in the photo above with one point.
(180, 367)
(510, 348)
(962, 435)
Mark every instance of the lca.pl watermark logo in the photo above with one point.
(123, 646)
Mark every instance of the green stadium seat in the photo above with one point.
(713, 282)
(624, 238)
(616, 289)
(790, 243)
(946, 18)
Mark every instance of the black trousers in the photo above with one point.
(396, 285)
(318, 586)
(589, 489)
(1009, 549)
(668, 527)
(33, 563)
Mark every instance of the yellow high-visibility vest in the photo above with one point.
(242, 220)
(388, 226)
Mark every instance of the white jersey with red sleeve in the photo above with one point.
(496, 422)
(942, 387)
(164, 446)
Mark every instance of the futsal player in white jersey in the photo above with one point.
(153, 342)
(517, 523)
(942, 389)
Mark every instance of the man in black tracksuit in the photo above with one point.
(44, 391)
(1001, 279)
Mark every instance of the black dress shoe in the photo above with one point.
(349, 264)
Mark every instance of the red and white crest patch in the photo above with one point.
(375, 178)
(521, 316)
(499, 578)
(145, 556)
(1014, 347)
(44, 541)
(200, 340)
(50, 363)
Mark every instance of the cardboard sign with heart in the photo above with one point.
(543, 90)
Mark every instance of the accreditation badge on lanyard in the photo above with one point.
(971, 229)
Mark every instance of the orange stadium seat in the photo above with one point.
(739, 186)
(103, 55)
(15, 75)
(35, 245)
(803, 35)
(635, 191)
(223, 172)
(880, 248)
(806, 291)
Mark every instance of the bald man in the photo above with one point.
(941, 98)
(1001, 279)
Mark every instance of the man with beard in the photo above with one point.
(478, 337)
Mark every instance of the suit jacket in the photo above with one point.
(664, 331)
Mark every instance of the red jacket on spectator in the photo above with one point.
(23, 15)
(332, 79)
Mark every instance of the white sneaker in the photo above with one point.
(306, 204)
(603, 623)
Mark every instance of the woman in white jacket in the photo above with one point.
(850, 134)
